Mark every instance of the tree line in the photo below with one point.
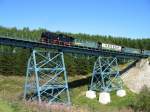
(13, 60)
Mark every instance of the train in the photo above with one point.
(65, 40)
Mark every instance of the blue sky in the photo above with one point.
(126, 18)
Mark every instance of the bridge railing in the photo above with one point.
(19, 36)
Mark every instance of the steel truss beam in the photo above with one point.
(69, 49)
(105, 75)
(46, 78)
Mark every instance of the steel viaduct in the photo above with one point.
(46, 77)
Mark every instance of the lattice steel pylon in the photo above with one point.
(105, 75)
(46, 78)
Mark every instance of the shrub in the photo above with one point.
(141, 103)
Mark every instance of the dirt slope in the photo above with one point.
(138, 76)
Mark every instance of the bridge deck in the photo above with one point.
(68, 49)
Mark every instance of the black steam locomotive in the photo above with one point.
(53, 38)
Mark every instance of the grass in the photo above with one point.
(117, 103)
(11, 92)
(78, 98)
(5, 107)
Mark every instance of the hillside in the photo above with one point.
(11, 92)
(138, 76)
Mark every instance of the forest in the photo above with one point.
(13, 60)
